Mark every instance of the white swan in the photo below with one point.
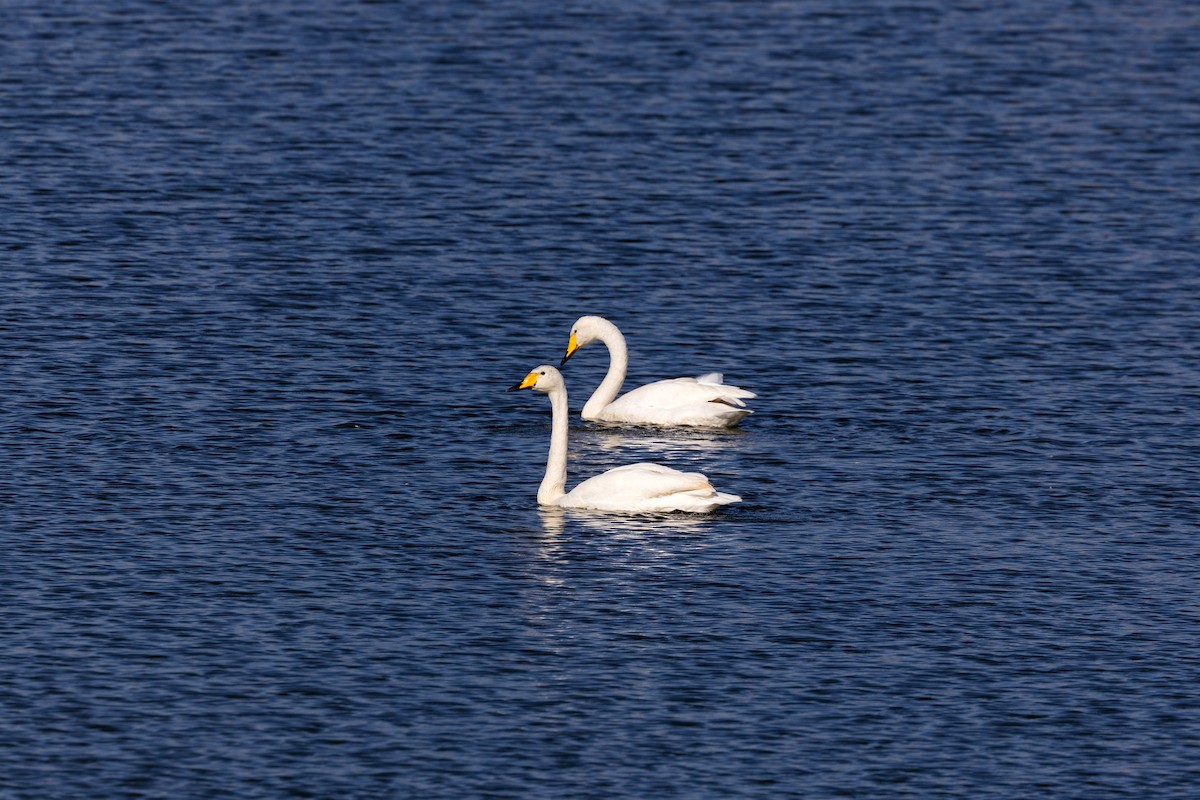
(703, 402)
(633, 489)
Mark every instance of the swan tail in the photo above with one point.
(732, 402)
(729, 392)
(709, 492)
(705, 499)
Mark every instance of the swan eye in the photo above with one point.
(541, 373)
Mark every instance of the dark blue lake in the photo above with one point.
(268, 518)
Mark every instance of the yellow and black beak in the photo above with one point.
(528, 382)
(572, 346)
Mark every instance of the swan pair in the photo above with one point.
(636, 488)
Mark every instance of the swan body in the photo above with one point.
(632, 489)
(703, 402)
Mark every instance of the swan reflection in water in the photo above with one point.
(632, 542)
(615, 526)
(662, 441)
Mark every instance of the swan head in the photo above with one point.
(541, 379)
(585, 331)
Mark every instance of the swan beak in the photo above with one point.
(527, 382)
(572, 346)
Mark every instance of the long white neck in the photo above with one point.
(554, 485)
(618, 363)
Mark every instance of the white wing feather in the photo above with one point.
(701, 401)
(647, 488)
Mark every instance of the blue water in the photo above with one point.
(268, 518)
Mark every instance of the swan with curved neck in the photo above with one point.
(632, 489)
(703, 402)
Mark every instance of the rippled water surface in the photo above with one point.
(268, 518)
